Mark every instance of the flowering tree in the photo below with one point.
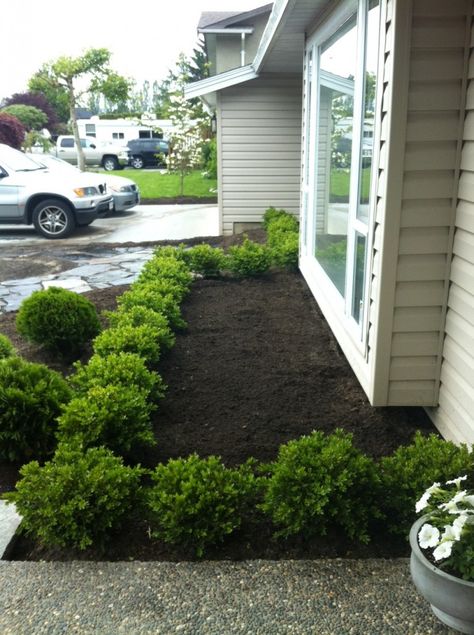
(186, 139)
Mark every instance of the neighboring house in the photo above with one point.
(113, 130)
(387, 242)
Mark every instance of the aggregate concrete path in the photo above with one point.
(323, 597)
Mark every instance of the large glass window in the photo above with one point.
(337, 213)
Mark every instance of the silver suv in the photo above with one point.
(53, 204)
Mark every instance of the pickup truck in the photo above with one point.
(110, 157)
(30, 195)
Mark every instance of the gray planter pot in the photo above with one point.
(451, 598)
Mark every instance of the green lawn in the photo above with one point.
(153, 184)
(340, 184)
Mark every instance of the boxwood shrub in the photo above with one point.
(205, 260)
(142, 316)
(148, 296)
(198, 502)
(31, 397)
(77, 498)
(116, 416)
(248, 259)
(166, 268)
(321, 480)
(126, 338)
(411, 469)
(60, 320)
(119, 369)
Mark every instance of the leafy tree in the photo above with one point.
(32, 118)
(38, 101)
(12, 131)
(44, 83)
(93, 69)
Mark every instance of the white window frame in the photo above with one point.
(343, 306)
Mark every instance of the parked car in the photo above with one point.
(109, 156)
(31, 195)
(147, 152)
(125, 192)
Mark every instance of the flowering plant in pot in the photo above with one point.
(442, 558)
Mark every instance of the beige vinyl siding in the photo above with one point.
(430, 177)
(260, 141)
(454, 415)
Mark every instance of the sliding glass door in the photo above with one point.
(340, 89)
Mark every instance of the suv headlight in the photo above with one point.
(85, 191)
(120, 188)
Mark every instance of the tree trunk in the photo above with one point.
(81, 163)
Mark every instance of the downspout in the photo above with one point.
(242, 49)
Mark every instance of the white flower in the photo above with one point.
(469, 500)
(443, 550)
(452, 532)
(428, 536)
(422, 503)
(452, 506)
(457, 481)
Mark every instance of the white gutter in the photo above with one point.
(229, 31)
(220, 81)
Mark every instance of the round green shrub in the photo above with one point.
(115, 416)
(148, 296)
(142, 316)
(271, 215)
(285, 253)
(321, 480)
(141, 340)
(285, 223)
(78, 498)
(6, 347)
(248, 259)
(411, 469)
(31, 396)
(204, 259)
(118, 369)
(198, 502)
(166, 268)
(60, 320)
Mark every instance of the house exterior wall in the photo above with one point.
(417, 197)
(259, 128)
(454, 415)
(228, 47)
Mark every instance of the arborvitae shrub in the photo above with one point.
(204, 259)
(248, 259)
(6, 347)
(411, 469)
(60, 320)
(115, 416)
(318, 481)
(198, 502)
(119, 369)
(78, 498)
(31, 397)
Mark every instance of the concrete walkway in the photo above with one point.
(323, 597)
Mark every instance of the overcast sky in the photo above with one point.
(144, 36)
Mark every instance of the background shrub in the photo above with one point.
(77, 498)
(411, 469)
(6, 347)
(248, 259)
(197, 502)
(272, 214)
(12, 131)
(119, 369)
(204, 259)
(319, 480)
(61, 320)
(142, 316)
(31, 396)
(115, 416)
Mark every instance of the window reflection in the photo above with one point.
(336, 112)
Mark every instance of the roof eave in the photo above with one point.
(220, 81)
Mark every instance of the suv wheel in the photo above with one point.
(110, 163)
(137, 162)
(53, 218)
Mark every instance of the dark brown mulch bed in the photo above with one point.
(257, 366)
